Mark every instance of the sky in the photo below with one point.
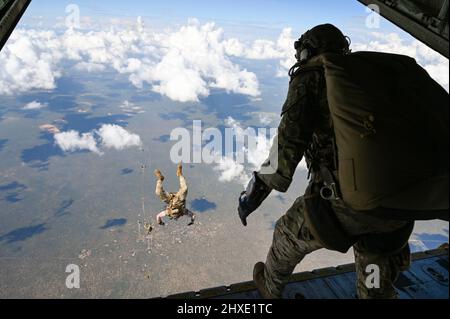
(264, 16)
(249, 10)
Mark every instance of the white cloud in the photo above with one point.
(34, 106)
(436, 64)
(184, 64)
(73, 141)
(231, 169)
(263, 49)
(90, 67)
(256, 155)
(129, 108)
(114, 136)
(193, 61)
(29, 62)
(108, 136)
(267, 118)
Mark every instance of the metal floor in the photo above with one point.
(427, 278)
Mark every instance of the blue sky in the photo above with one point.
(247, 10)
(263, 15)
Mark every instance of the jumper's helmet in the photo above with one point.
(321, 39)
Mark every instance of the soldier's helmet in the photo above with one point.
(324, 38)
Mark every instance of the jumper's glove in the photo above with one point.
(252, 197)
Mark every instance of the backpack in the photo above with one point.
(391, 125)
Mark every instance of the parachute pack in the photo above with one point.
(391, 125)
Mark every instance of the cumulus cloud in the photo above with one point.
(73, 141)
(230, 166)
(230, 170)
(34, 106)
(184, 64)
(267, 118)
(116, 137)
(90, 67)
(108, 136)
(436, 65)
(262, 49)
(238, 164)
(193, 62)
(28, 62)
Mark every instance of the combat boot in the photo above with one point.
(192, 220)
(180, 170)
(159, 175)
(260, 281)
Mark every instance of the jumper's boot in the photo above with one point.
(192, 220)
(260, 281)
(180, 170)
(159, 175)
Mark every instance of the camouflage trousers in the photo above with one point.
(292, 241)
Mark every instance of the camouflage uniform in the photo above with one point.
(176, 202)
(305, 130)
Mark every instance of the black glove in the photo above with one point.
(252, 198)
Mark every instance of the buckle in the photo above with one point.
(329, 192)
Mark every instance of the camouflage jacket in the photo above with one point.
(305, 131)
(176, 207)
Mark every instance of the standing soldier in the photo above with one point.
(373, 128)
(176, 202)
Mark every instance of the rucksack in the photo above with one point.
(391, 125)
